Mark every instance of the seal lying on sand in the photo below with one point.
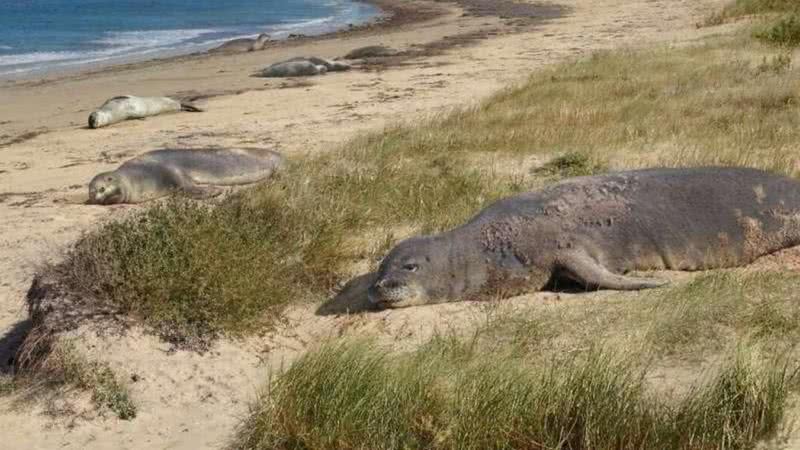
(592, 230)
(330, 66)
(242, 45)
(127, 107)
(372, 51)
(160, 172)
(293, 69)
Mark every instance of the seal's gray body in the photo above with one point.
(242, 45)
(127, 107)
(372, 51)
(160, 172)
(330, 66)
(293, 69)
(592, 230)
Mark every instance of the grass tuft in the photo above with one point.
(784, 31)
(65, 367)
(572, 164)
(354, 396)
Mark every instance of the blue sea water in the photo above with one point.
(51, 34)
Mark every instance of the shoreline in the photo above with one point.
(392, 14)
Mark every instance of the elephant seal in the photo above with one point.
(242, 45)
(330, 66)
(593, 230)
(371, 51)
(293, 69)
(158, 173)
(127, 107)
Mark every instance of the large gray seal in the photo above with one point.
(242, 45)
(299, 68)
(371, 51)
(127, 107)
(160, 172)
(593, 230)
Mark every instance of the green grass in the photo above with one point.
(193, 272)
(358, 396)
(709, 362)
(752, 7)
(784, 31)
(7, 385)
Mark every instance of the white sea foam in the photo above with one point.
(153, 38)
(6, 47)
(119, 46)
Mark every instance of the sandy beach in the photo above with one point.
(464, 51)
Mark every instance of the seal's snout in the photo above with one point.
(380, 293)
(93, 120)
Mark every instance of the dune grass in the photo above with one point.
(707, 363)
(357, 396)
(192, 272)
(64, 369)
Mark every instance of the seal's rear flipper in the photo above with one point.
(588, 272)
(185, 106)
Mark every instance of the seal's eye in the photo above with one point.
(410, 267)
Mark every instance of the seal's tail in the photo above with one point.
(185, 106)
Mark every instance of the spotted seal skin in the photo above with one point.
(160, 172)
(127, 107)
(290, 68)
(242, 45)
(594, 230)
(330, 66)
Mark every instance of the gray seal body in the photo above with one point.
(291, 68)
(127, 107)
(160, 172)
(593, 230)
(242, 45)
(371, 51)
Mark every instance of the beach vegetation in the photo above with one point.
(191, 271)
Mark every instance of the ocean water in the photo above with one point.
(41, 35)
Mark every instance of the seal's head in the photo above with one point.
(105, 189)
(99, 119)
(412, 274)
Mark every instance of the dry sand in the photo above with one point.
(192, 401)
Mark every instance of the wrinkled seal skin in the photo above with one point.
(593, 230)
(243, 45)
(128, 107)
(160, 172)
(293, 69)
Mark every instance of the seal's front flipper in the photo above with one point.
(588, 272)
(200, 193)
(186, 106)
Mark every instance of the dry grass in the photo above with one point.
(63, 369)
